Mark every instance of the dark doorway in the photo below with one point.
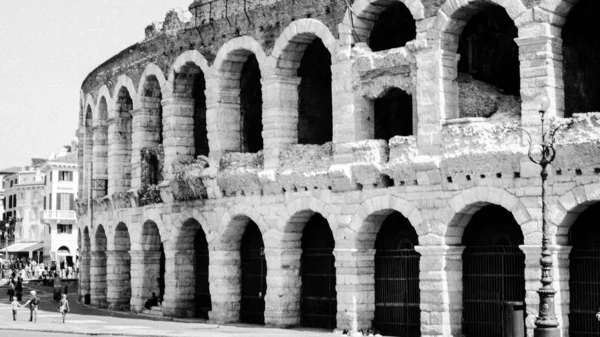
(581, 64)
(200, 133)
(394, 27)
(584, 283)
(254, 276)
(319, 296)
(203, 300)
(397, 294)
(315, 119)
(161, 273)
(251, 106)
(488, 51)
(393, 114)
(493, 271)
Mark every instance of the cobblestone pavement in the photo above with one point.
(84, 320)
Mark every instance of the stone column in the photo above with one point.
(145, 128)
(98, 279)
(180, 287)
(540, 55)
(178, 130)
(222, 116)
(84, 276)
(118, 280)
(88, 145)
(355, 285)
(100, 156)
(560, 256)
(280, 115)
(437, 96)
(119, 154)
(224, 275)
(441, 290)
(284, 287)
(139, 290)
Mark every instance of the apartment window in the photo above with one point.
(50, 201)
(64, 229)
(11, 183)
(64, 202)
(64, 176)
(45, 205)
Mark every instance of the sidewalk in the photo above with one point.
(90, 321)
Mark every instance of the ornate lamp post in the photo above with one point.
(546, 324)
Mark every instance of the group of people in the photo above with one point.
(33, 302)
(33, 270)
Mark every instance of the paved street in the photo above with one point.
(88, 321)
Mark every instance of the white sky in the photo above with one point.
(47, 48)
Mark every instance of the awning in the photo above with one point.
(23, 247)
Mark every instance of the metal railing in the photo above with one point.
(58, 215)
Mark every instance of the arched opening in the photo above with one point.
(120, 282)
(394, 28)
(152, 106)
(315, 119)
(202, 291)
(581, 69)
(119, 167)
(98, 270)
(319, 296)
(254, 276)
(397, 294)
(88, 151)
(85, 272)
(191, 84)
(489, 76)
(101, 151)
(584, 269)
(493, 271)
(64, 250)
(393, 114)
(251, 106)
(154, 261)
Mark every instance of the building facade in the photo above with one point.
(59, 194)
(346, 166)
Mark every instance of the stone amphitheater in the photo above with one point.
(346, 165)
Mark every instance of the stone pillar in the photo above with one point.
(98, 279)
(119, 154)
(100, 156)
(436, 96)
(355, 285)
(280, 115)
(533, 272)
(284, 287)
(84, 276)
(118, 280)
(441, 290)
(88, 145)
(224, 275)
(178, 130)
(180, 288)
(140, 292)
(145, 134)
(540, 55)
(223, 116)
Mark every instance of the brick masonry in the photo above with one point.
(438, 178)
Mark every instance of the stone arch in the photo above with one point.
(556, 11)
(240, 47)
(85, 240)
(233, 224)
(119, 267)
(468, 202)
(364, 13)
(454, 15)
(124, 81)
(289, 47)
(565, 210)
(299, 212)
(98, 286)
(104, 108)
(81, 107)
(153, 216)
(100, 242)
(371, 213)
(100, 139)
(152, 70)
(189, 56)
(120, 137)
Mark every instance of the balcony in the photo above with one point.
(58, 215)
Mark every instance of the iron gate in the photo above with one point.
(491, 277)
(203, 301)
(319, 297)
(254, 277)
(585, 293)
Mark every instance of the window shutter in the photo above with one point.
(71, 202)
(58, 201)
(50, 201)
(45, 206)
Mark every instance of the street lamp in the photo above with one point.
(546, 324)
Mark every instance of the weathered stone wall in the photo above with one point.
(437, 178)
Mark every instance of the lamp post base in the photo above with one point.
(546, 332)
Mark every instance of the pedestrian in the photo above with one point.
(14, 305)
(33, 303)
(11, 289)
(19, 289)
(64, 307)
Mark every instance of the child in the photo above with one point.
(64, 307)
(14, 305)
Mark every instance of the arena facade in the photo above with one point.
(345, 165)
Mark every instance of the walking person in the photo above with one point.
(33, 303)
(14, 305)
(11, 290)
(19, 289)
(64, 307)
